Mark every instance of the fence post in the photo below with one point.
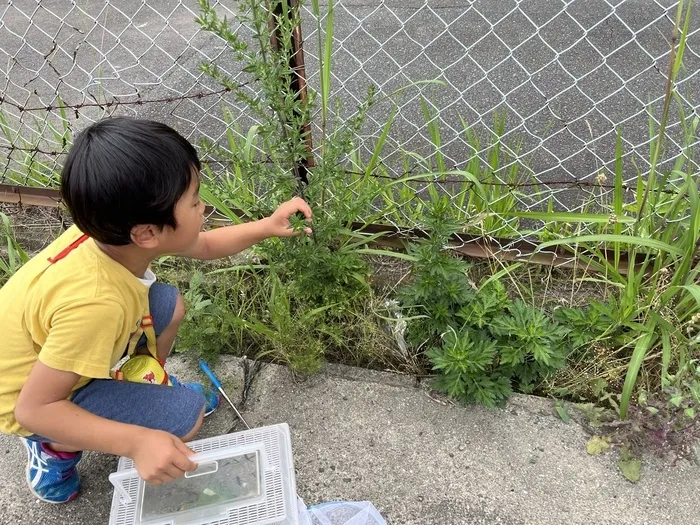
(298, 85)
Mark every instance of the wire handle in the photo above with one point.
(212, 377)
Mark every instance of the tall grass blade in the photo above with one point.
(432, 121)
(387, 253)
(694, 290)
(567, 217)
(380, 143)
(665, 356)
(634, 241)
(674, 60)
(683, 37)
(210, 198)
(503, 272)
(618, 196)
(644, 344)
(325, 48)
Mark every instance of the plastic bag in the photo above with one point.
(340, 513)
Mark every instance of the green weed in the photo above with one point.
(656, 292)
(481, 344)
(27, 165)
(14, 256)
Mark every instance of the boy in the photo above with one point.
(71, 314)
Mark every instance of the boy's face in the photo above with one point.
(189, 217)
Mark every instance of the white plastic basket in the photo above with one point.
(342, 513)
(256, 463)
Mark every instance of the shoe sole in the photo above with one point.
(29, 479)
(206, 414)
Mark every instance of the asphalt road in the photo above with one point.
(565, 75)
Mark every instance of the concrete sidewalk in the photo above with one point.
(362, 435)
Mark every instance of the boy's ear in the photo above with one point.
(145, 236)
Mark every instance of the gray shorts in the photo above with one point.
(172, 409)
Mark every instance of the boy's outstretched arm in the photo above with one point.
(43, 408)
(224, 242)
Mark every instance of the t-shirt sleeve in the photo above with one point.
(82, 338)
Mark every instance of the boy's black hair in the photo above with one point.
(122, 172)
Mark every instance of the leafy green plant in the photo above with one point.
(319, 274)
(213, 303)
(440, 287)
(490, 301)
(517, 347)
(15, 255)
(320, 283)
(479, 342)
(593, 323)
(530, 343)
(467, 363)
(267, 162)
(294, 336)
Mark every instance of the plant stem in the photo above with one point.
(664, 115)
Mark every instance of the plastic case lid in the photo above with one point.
(226, 479)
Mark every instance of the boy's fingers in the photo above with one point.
(302, 206)
(183, 462)
(163, 477)
(171, 474)
(182, 447)
(306, 210)
(289, 232)
(174, 472)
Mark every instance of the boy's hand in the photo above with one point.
(279, 224)
(228, 241)
(161, 457)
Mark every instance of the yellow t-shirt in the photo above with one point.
(73, 308)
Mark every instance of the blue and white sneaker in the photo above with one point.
(211, 396)
(52, 476)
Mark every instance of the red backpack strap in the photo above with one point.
(72, 246)
(149, 332)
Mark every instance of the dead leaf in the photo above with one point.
(630, 468)
(629, 465)
(597, 445)
(561, 411)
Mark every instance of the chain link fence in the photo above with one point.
(104, 58)
(565, 76)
